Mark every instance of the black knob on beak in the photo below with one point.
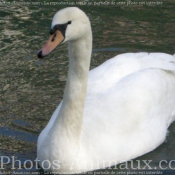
(52, 31)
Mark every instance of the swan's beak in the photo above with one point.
(54, 40)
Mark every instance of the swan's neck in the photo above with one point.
(70, 117)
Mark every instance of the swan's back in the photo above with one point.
(114, 69)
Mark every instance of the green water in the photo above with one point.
(31, 89)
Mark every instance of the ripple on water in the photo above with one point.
(18, 135)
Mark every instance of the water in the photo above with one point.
(31, 89)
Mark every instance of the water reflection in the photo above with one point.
(31, 89)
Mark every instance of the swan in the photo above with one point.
(116, 112)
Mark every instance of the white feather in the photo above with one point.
(127, 108)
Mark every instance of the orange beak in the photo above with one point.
(51, 44)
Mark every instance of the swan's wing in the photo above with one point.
(159, 60)
(112, 71)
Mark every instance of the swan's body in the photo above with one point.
(115, 112)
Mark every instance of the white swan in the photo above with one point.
(115, 112)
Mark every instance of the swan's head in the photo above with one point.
(68, 24)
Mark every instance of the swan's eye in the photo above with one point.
(69, 22)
